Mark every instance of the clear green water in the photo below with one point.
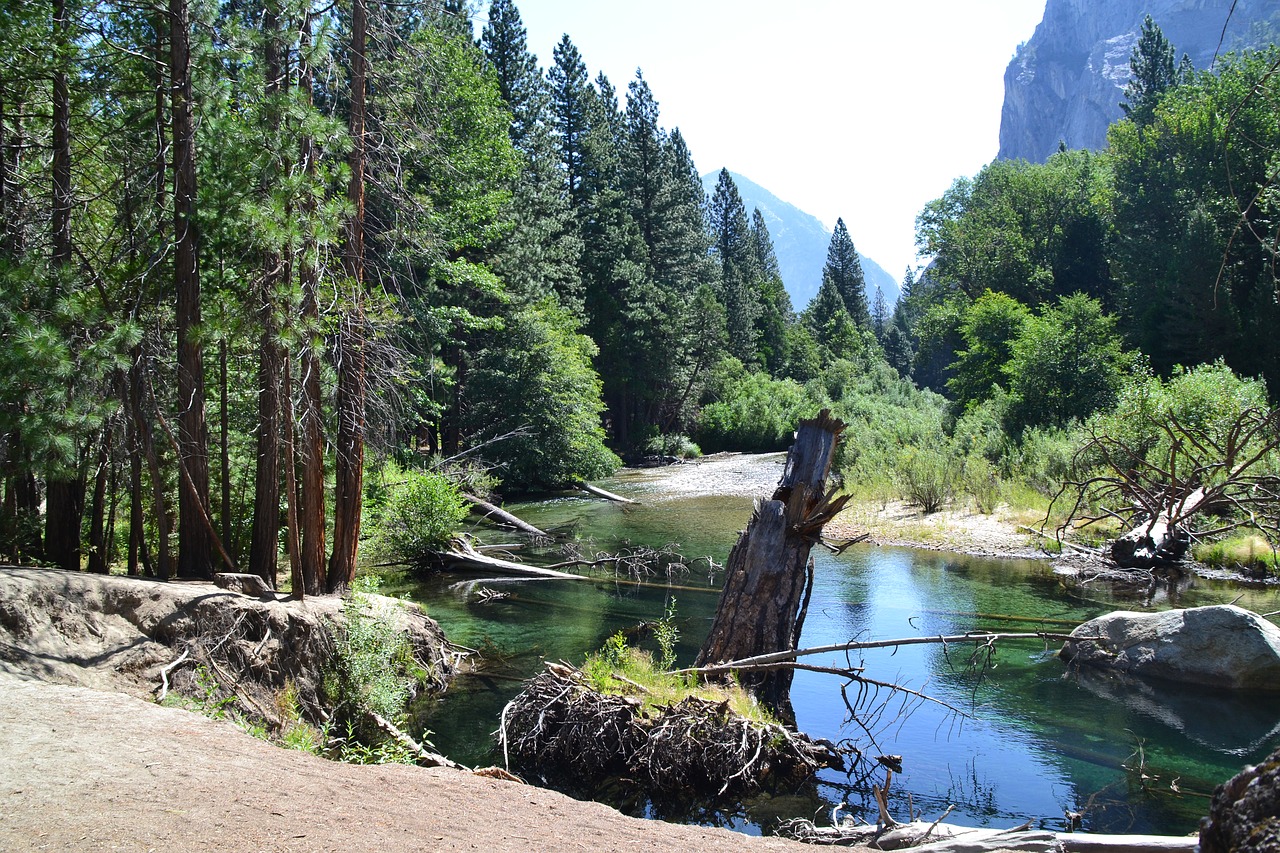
(1036, 739)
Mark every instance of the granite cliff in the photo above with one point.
(1066, 83)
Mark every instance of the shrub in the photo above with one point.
(928, 478)
(420, 515)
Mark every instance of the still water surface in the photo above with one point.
(1035, 739)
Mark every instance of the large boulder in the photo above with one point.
(1244, 816)
(1222, 646)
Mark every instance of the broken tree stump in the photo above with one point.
(769, 576)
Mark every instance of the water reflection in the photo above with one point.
(1031, 744)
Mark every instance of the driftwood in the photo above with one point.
(939, 837)
(769, 576)
(1212, 481)
(462, 556)
(601, 493)
(424, 756)
(501, 517)
(695, 751)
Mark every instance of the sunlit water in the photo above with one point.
(1034, 739)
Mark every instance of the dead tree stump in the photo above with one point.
(769, 576)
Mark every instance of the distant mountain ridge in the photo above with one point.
(1065, 83)
(800, 241)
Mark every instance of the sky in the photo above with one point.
(861, 109)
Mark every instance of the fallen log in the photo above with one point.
(463, 556)
(424, 756)
(601, 493)
(501, 517)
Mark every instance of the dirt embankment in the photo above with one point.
(90, 769)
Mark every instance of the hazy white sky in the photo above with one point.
(861, 109)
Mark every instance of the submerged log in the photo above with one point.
(601, 493)
(769, 575)
(462, 556)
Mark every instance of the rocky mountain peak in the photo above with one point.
(1066, 83)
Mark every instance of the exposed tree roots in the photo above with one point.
(570, 736)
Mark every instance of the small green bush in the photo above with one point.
(928, 478)
(422, 512)
(373, 668)
(677, 445)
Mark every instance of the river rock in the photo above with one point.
(1222, 646)
(1245, 813)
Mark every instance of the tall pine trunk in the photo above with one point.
(64, 497)
(310, 455)
(264, 547)
(195, 547)
(349, 462)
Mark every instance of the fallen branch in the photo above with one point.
(601, 493)
(785, 658)
(426, 758)
(502, 517)
(462, 555)
(164, 674)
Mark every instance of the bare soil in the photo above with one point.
(96, 769)
(954, 529)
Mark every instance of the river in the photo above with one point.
(1034, 740)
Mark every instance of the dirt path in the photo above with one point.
(83, 769)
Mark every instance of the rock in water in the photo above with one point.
(1221, 646)
(1245, 813)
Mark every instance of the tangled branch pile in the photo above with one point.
(563, 731)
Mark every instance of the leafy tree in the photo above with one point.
(539, 387)
(989, 328)
(1067, 364)
(1194, 203)
(1034, 232)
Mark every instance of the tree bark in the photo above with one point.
(311, 416)
(195, 552)
(349, 444)
(769, 573)
(98, 557)
(264, 545)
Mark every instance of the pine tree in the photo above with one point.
(776, 313)
(844, 269)
(733, 248)
(570, 97)
(879, 315)
(1152, 73)
(540, 256)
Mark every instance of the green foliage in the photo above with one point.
(1035, 232)
(421, 514)
(928, 477)
(538, 389)
(1195, 226)
(679, 446)
(666, 633)
(373, 669)
(1208, 399)
(989, 327)
(754, 412)
(1243, 551)
(1067, 364)
(617, 668)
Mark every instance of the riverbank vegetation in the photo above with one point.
(268, 270)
